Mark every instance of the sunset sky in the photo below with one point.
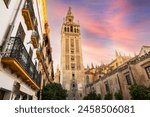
(106, 26)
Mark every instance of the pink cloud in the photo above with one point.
(112, 26)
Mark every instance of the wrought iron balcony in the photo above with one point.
(35, 39)
(28, 14)
(18, 60)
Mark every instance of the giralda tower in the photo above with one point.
(72, 70)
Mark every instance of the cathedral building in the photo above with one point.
(120, 74)
(72, 70)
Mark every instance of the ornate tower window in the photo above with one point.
(77, 45)
(72, 66)
(65, 29)
(75, 30)
(72, 43)
(68, 29)
(72, 50)
(70, 20)
(67, 46)
(71, 28)
(72, 58)
(67, 62)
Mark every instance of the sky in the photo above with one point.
(106, 26)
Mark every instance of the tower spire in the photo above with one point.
(116, 53)
(69, 17)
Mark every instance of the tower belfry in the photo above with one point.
(72, 70)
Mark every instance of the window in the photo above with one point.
(128, 79)
(70, 20)
(7, 2)
(87, 80)
(2, 93)
(20, 32)
(73, 66)
(30, 97)
(24, 97)
(78, 62)
(72, 51)
(68, 29)
(107, 86)
(72, 58)
(67, 45)
(73, 76)
(148, 71)
(17, 97)
(80, 94)
(77, 45)
(75, 30)
(73, 85)
(30, 52)
(65, 29)
(67, 62)
(71, 28)
(72, 43)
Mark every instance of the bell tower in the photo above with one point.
(72, 70)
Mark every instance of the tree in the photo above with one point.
(92, 96)
(108, 96)
(139, 92)
(54, 91)
(118, 95)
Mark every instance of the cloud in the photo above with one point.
(105, 26)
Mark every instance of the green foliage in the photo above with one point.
(139, 92)
(118, 95)
(54, 91)
(108, 96)
(92, 96)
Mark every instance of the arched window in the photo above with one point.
(71, 28)
(75, 30)
(73, 85)
(65, 29)
(68, 29)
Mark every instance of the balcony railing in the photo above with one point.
(20, 63)
(29, 15)
(35, 38)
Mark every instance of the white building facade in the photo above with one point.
(21, 36)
